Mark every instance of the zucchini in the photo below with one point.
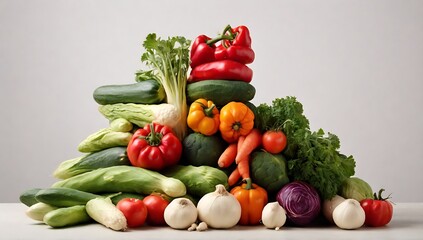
(28, 197)
(105, 158)
(64, 197)
(221, 92)
(145, 92)
(103, 139)
(198, 180)
(121, 125)
(67, 216)
(117, 134)
(124, 179)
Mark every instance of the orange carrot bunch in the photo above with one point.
(239, 153)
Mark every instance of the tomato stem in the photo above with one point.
(379, 195)
(153, 138)
(236, 126)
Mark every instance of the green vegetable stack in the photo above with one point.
(173, 135)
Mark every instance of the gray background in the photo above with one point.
(356, 66)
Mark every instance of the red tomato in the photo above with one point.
(134, 210)
(274, 141)
(156, 206)
(378, 211)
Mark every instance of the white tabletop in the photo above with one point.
(407, 223)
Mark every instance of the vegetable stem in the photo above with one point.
(249, 184)
(154, 138)
(379, 195)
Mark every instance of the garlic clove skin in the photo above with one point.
(202, 226)
(273, 215)
(349, 214)
(193, 227)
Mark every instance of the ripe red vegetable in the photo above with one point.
(274, 141)
(222, 69)
(156, 206)
(154, 147)
(378, 211)
(134, 210)
(232, 44)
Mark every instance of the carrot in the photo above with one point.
(251, 142)
(228, 156)
(244, 168)
(239, 143)
(234, 177)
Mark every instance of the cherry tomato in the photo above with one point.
(156, 206)
(378, 211)
(274, 141)
(134, 210)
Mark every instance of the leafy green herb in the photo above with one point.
(313, 157)
(169, 62)
(142, 75)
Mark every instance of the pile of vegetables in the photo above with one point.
(186, 148)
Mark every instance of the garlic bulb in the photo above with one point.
(273, 215)
(349, 214)
(329, 205)
(180, 213)
(219, 209)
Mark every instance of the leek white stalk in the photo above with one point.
(169, 60)
(349, 214)
(273, 215)
(103, 211)
(39, 210)
(219, 209)
(181, 213)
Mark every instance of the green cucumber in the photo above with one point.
(220, 92)
(28, 197)
(64, 197)
(145, 92)
(67, 216)
(105, 158)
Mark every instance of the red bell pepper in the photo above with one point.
(154, 147)
(223, 69)
(378, 211)
(201, 51)
(235, 45)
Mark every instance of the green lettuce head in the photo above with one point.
(356, 188)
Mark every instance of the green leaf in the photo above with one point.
(313, 157)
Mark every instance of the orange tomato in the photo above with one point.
(236, 119)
